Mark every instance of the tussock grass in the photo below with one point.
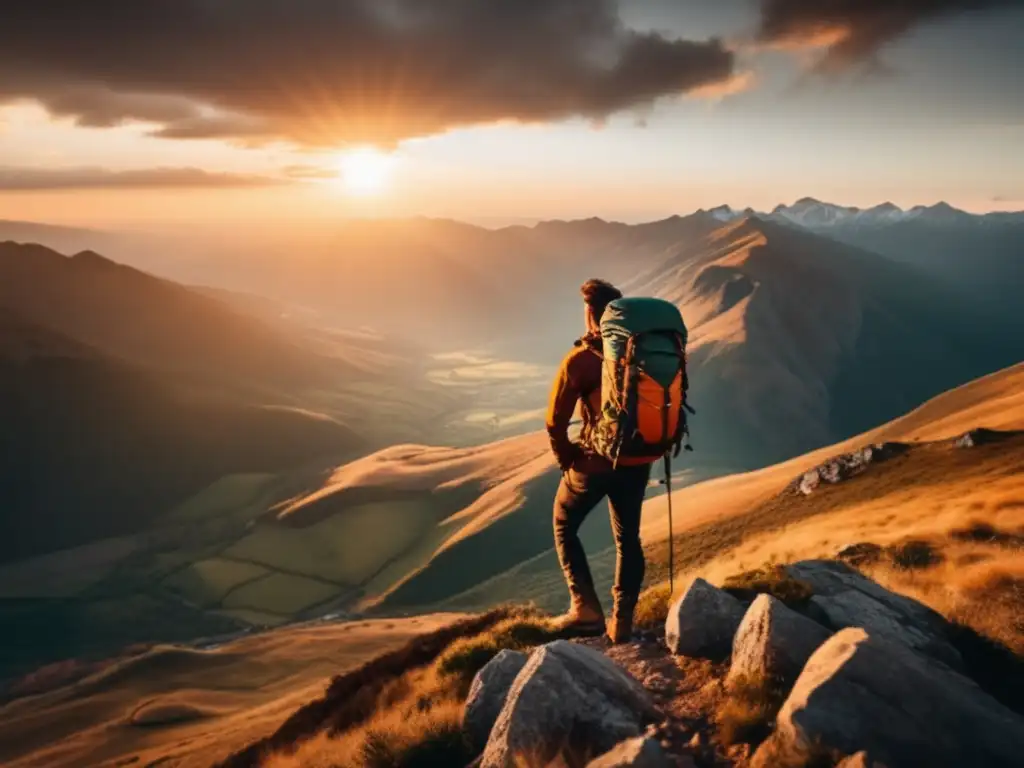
(652, 607)
(771, 579)
(414, 720)
(747, 715)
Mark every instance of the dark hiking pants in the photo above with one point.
(577, 496)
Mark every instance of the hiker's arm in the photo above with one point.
(561, 407)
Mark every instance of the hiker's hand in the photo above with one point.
(568, 461)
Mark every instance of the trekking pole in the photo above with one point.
(671, 540)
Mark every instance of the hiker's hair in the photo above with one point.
(598, 294)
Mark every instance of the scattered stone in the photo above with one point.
(703, 621)
(980, 436)
(847, 465)
(487, 694)
(635, 753)
(567, 688)
(773, 642)
(856, 609)
(864, 692)
(861, 553)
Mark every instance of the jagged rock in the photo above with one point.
(860, 553)
(863, 692)
(773, 642)
(842, 467)
(487, 694)
(856, 609)
(641, 752)
(566, 689)
(703, 622)
(828, 578)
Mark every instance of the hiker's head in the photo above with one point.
(597, 295)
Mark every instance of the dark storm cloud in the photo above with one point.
(41, 179)
(853, 31)
(328, 71)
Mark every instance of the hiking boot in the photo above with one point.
(620, 628)
(582, 619)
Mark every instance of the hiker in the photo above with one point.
(592, 470)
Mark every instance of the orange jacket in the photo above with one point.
(578, 381)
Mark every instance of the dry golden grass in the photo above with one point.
(748, 713)
(220, 700)
(416, 719)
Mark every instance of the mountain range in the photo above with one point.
(260, 441)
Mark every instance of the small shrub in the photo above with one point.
(431, 738)
(464, 658)
(914, 554)
(772, 580)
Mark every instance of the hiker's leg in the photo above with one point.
(626, 491)
(576, 498)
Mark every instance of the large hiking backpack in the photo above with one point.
(644, 382)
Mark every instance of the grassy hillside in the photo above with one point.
(140, 318)
(187, 706)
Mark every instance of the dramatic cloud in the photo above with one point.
(853, 31)
(38, 179)
(324, 72)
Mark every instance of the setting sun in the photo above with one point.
(365, 171)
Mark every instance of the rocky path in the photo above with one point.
(687, 692)
(846, 674)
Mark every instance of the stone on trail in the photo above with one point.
(843, 598)
(773, 642)
(487, 694)
(566, 690)
(703, 622)
(862, 692)
(641, 752)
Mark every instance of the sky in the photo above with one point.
(119, 113)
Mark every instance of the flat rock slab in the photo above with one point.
(856, 609)
(859, 692)
(839, 596)
(773, 642)
(642, 752)
(566, 689)
(703, 622)
(488, 692)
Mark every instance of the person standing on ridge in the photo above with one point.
(639, 420)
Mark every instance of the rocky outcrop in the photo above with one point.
(845, 598)
(488, 692)
(643, 752)
(843, 467)
(703, 622)
(864, 692)
(773, 642)
(566, 691)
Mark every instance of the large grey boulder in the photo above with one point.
(487, 694)
(843, 598)
(566, 689)
(773, 642)
(859, 692)
(703, 622)
(856, 609)
(641, 752)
